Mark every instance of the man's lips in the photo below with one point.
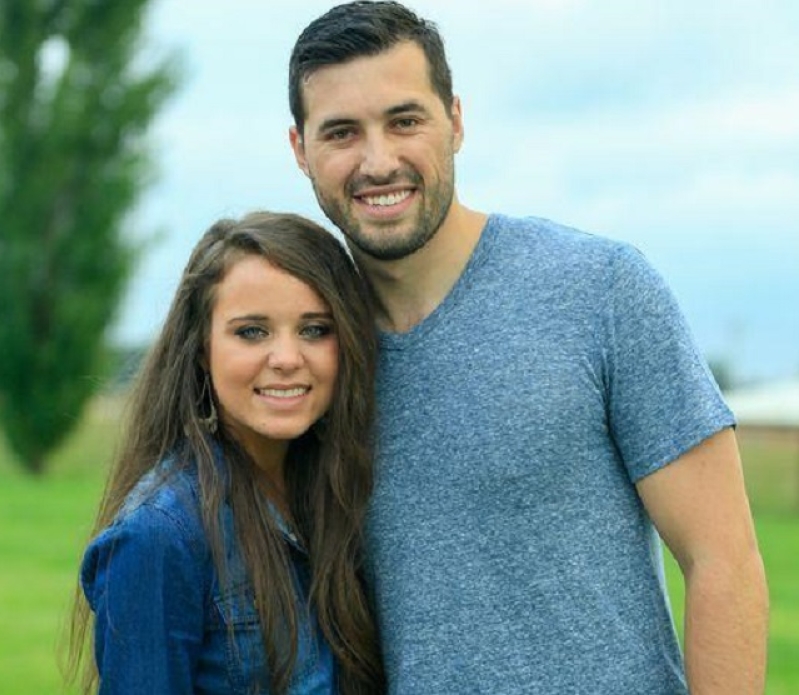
(385, 199)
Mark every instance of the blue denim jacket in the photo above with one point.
(160, 615)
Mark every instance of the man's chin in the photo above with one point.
(385, 253)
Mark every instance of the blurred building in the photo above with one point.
(767, 412)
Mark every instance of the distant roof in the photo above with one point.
(767, 405)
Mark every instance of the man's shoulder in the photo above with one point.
(544, 232)
(543, 240)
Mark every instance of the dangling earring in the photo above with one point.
(211, 421)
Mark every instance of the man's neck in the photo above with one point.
(410, 289)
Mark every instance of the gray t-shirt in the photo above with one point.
(507, 548)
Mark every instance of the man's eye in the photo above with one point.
(406, 123)
(339, 134)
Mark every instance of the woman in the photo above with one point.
(226, 555)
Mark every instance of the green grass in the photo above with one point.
(772, 477)
(44, 523)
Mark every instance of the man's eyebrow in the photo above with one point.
(406, 107)
(396, 110)
(331, 123)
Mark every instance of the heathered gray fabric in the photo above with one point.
(507, 548)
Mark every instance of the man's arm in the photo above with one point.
(699, 506)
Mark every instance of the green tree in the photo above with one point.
(73, 162)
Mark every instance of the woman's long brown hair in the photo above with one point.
(328, 469)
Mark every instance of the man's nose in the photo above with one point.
(380, 160)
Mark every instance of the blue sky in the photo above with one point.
(670, 124)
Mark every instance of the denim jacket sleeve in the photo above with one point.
(144, 578)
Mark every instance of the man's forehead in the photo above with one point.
(371, 84)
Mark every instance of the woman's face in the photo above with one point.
(273, 356)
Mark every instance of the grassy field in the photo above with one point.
(44, 523)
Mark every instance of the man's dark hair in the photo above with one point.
(364, 28)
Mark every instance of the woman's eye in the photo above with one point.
(317, 330)
(251, 332)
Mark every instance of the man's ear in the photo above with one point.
(297, 145)
(457, 123)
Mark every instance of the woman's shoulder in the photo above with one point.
(160, 519)
(165, 497)
(155, 541)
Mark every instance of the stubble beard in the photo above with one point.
(388, 242)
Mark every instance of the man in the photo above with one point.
(542, 408)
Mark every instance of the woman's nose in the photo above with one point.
(285, 354)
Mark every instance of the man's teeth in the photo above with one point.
(387, 199)
(284, 393)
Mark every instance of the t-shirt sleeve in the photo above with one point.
(663, 399)
(144, 582)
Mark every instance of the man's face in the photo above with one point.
(379, 146)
